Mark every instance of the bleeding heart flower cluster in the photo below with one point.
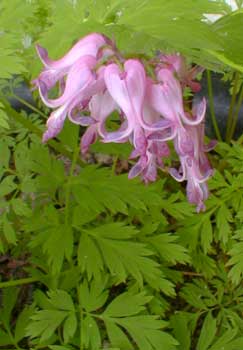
(95, 80)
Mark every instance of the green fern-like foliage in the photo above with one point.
(140, 27)
(92, 260)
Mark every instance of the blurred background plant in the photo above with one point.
(90, 259)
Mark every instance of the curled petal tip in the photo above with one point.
(42, 53)
(200, 208)
(46, 137)
(135, 171)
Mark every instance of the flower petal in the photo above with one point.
(198, 112)
(55, 123)
(79, 77)
(89, 45)
(88, 138)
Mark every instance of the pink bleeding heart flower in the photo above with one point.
(150, 155)
(79, 77)
(195, 167)
(170, 91)
(148, 146)
(101, 106)
(197, 135)
(55, 71)
(197, 189)
(167, 99)
(151, 112)
(82, 83)
(189, 140)
(128, 89)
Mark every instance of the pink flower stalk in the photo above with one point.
(95, 80)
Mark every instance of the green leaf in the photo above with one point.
(5, 338)
(175, 18)
(127, 304)
(236, 262)
(23, 321)
(124, 257)
(97, 190)
(60, 310)
(93, 296)
(207, 333)
(223, 218)
(7, 185)
(117, 337)
(60, 347)
(20, 207)
(8, 230)
(168, 248)
(9, 299)
(5, 154)
(61, 300)
(51, 171)
(69, 327)
(229, 29)
(184, 324)
(204, 264)
(22, 158)
(44, 323)
(125, 311)
(118, 150)
(206, 234)
(89, 257)
(3, 118)
(69, 135)
(10, 63)
(58, 245)
(91, 337)
(198, 295)
(225, 341)
(69, 278)
(146, 332)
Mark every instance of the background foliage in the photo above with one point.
(90, 259)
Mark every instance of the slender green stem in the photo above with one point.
(29, 105)
(236, 114)
(12, 338)
(18, 282)
(113, 169)
(36, 130)
(211, 105)
(149, 69)
(231, 108)
(68, 188)
(81, 313)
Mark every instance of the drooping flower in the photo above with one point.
(55, 71)
(195, 168)
(101, 106)
(197, 189)
(78, 78)
(95, 80)
(128, 88)
(150, 159)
